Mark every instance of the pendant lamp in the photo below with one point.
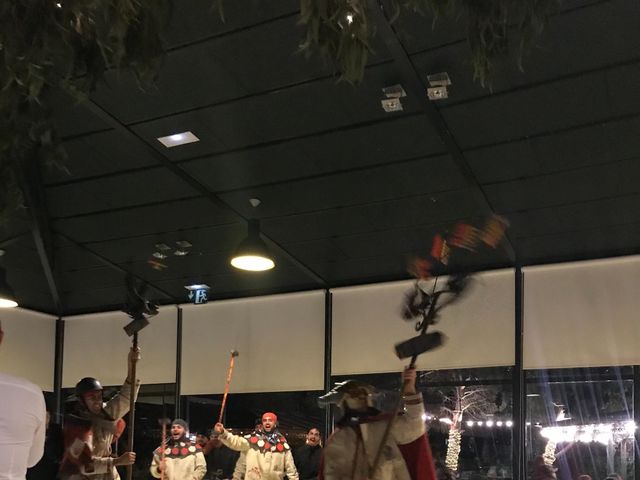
(252, 254)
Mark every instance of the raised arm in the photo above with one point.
(118, 406)
(234, 442)
(410, 426)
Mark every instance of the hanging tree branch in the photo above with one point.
(68, 44)
(341, 32)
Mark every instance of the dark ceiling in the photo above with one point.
(348, 191)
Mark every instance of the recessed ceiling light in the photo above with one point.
(181, 253)
(159, 255)
(178, 139)
(163, 247)
(183, 244)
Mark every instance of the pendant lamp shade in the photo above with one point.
(252, 254)
(7, 297)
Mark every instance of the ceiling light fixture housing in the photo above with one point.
(438, 83)
(177, 139)
(393, 93)
(252, 254)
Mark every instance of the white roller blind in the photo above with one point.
(28, 348)
(582, 314)
(280, 339)
(95, 345)
(367, 324)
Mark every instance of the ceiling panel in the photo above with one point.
(572, 218)
(591, 183)
(107, 193)
(590, 98)
(205, 240)
(71, 118)
(196, 20)
(416, 210)
(209, 82)
(274, 59)
(364, 270)
(284, 114)
(146, 220)
(583, 244)
(242, 283)
(97, 154)
(435, 174)
(591, 145)
(572, 43)
(398, 138)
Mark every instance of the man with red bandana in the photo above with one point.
(266, 455)
(179, 459)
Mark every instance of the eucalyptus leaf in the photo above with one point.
(489, 23)
(68, 45)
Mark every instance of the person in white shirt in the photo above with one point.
(22, 425)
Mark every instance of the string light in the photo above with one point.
(471, 423)
(601, 433)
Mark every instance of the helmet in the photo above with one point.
(350, 394)
(87, 384)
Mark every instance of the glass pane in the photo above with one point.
(154, 402)
(580, 422)
(469, 409)
(297, 413)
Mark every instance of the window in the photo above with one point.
(581, 421)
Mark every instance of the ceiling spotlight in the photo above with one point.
(181, 253)
(159, 255)
(252, 254)
(391, 105)
(183, 244)
(178, 139)
(470, 423)
(393, 94)
(163, 247)
(7, 297)
(438, 83)
(349, 18)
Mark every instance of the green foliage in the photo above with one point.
(68, 44)
(488, 29)
(340, 31)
